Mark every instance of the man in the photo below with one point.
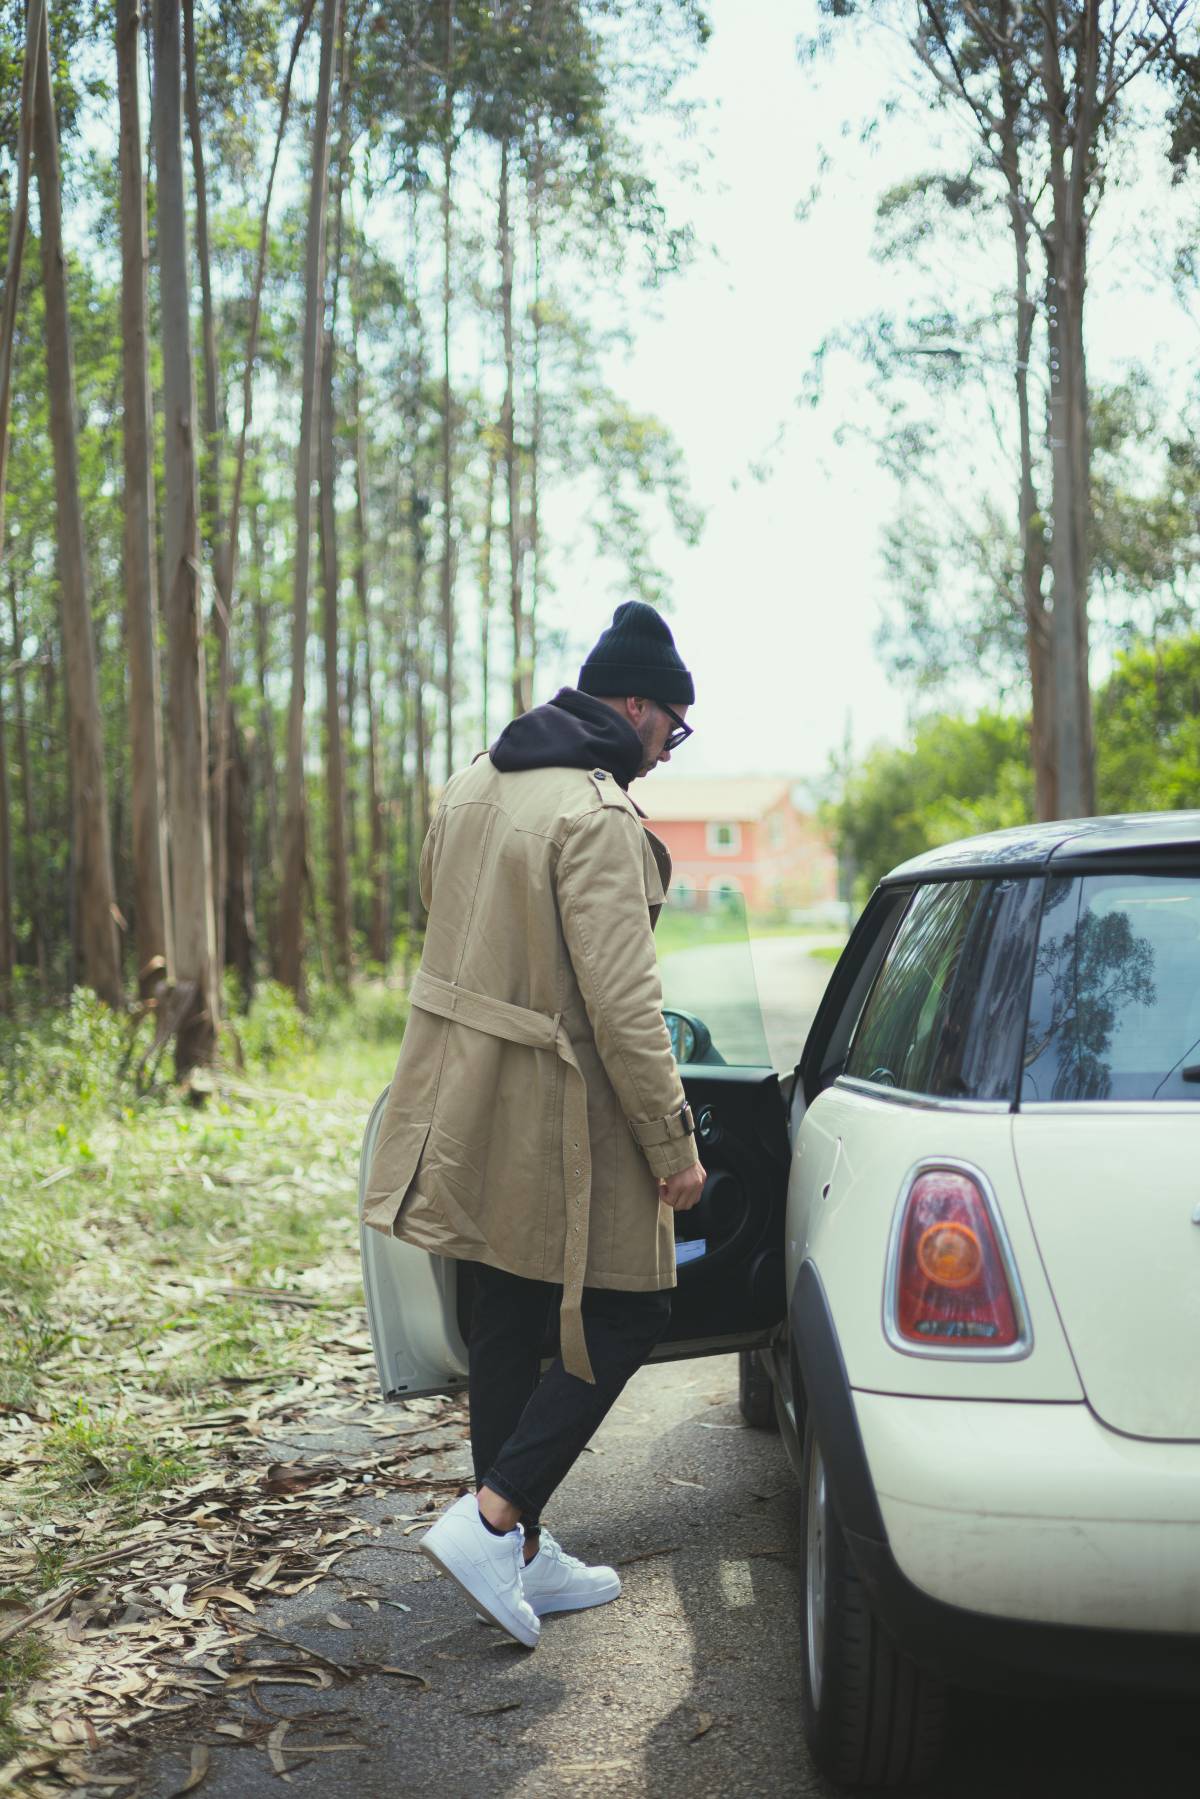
(536, 1124)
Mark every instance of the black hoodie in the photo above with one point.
(572, 731)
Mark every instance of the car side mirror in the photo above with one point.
(691, 1039)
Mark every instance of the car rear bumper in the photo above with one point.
(971, 1646)
(1037, 1512)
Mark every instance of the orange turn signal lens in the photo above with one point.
(949, 1254)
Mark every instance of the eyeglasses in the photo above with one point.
(680, 734)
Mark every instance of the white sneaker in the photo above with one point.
(557, 1582)
(485, 1566)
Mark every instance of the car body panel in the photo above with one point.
(1036, 846)
(1112, 1198)
(410, 1297)
(851, 1156)
(1036, 1512)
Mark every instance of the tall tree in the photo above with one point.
(290, 923)
(35, 26)
(191, 858)
(151, 907)
(448, 544)
(335, 773)
(95, 906)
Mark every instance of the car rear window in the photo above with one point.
(946, 1013)
(1115, 1008)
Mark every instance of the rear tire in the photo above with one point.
(756, 1395)
(872, 1717)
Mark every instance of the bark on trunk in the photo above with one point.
(290, 922)
(447, 567)
(485, 590)
(35, 24)
(29, 860)
(520, 669)
(240, 931)
(210, 488)
(95, 933)
(335, 775)
(151, 901)
(6, 875)
(191, 852)
(378, 930)
(1065, 243)
(1033, 550)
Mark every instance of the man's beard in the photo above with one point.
(645, 733)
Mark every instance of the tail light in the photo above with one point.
(950, 1277)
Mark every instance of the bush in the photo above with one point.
(79, 1050)
(274, 1030)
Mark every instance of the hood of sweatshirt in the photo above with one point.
(572, 731)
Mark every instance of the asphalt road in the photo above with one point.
(687, 1687)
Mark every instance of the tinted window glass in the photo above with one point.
(946, 1015)
(1115, 1009)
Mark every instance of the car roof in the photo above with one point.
(1028, 848)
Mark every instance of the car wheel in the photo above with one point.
(756, 1395)
(871, 1715)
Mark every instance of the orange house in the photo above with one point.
(747, 835)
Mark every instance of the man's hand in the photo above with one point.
(681, 1191)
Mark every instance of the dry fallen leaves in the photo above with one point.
(160, 1623)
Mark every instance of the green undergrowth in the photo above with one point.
(159, 1258)
(21, 1661)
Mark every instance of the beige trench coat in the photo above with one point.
(536, 1102)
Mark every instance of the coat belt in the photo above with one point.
(538, 1030)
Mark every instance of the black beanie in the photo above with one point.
(637, 655)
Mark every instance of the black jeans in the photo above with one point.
(527, 1432)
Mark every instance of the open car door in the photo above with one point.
(729, 1247)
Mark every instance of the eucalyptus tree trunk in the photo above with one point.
(485, 590)
(1071, 129)
(6, 875)
(191, 855)
(447, 566)
(210, 487)
(378, 928)
(151, 900)
(95, 909)
(520, 668)
(535, 422)
(35, 26)
(1038, 645)
(266, 724)
(30, 865)
(290, 921)
(335, 773)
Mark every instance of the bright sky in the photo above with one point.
(776, 609)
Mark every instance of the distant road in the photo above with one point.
(757, 1000)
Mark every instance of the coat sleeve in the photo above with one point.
(606, 923)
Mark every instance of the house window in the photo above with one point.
(683, 893)
(775, 830)
(724, 839)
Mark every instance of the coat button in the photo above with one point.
(598, 774)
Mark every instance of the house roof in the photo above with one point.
(733, 799)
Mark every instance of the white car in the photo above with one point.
(959, 1250)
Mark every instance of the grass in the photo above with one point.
(678, 929)
(21, 1661)
(143, 1243)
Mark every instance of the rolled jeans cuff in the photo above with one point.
(530, 1517)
